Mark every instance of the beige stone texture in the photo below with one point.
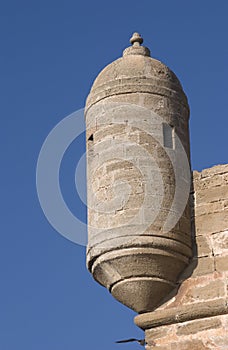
(211, 223)
(203, 247)
(195, 316)
(195, 326)
(179, 289)
(131, 179)
(219, 242)
(221, 263)
(208, 333)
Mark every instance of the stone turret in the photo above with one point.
(138, 179)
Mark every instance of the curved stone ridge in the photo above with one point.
(182, 313)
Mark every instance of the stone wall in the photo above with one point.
(195, 315)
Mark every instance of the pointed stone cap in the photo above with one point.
(136, 48)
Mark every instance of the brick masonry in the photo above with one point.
(195, 315)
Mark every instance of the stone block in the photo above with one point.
(219, 243)
(208, 182)
(157, 333)
(212, 290)
(135, 201)
(158, 347)
(217, 169)
(197, 290)
(205, 265)
(221, 263)
(203, 246)
(119, 165)
(109, 131)
(211, 223)
(196, 326)
(127, 176)
(207, 208)
(189, 345)
(209, 195)
(218, 341)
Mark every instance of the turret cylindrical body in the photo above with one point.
(138, 179)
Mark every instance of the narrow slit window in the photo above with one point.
(168, 136)
(90, 138)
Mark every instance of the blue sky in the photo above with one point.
(51, 51)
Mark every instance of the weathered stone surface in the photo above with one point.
(221, 263)
(203, 246)
(211, 223)
(211, 289)
(157, 333)
(134, 112)
(202, 297)
(129, 252)
(142, 293)
(205, 265)
(196, 326)
(210, 334)
(206, 287)
(182, 313)
(189, 345)
(208, 208)
(215, 170)
(202, 183)
(219, 243)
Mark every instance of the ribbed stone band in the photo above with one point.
(182, 313)
(136, 85)
(137, 50)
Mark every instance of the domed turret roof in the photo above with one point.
(135, 71)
